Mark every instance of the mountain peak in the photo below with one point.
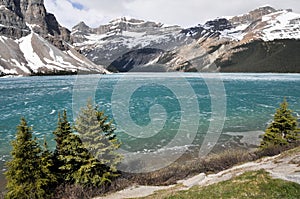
(266, 7)
(253, 15)
(81, 26)
(126, 20)
(16, 14)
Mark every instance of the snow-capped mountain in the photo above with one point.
(33, 43)
(281, 24)
(264, 23)
(258, 41)
(33, 55)
(105, 44)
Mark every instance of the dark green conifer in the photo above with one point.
(74, 156)
(98, 137)
(70, 153)
(47, 166)
(26, 177)
(283, 130)
(62, 131)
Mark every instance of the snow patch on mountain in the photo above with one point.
(8, 71)
(236, 33)
(20, 66)
(281, 25)
(34, 62)
(128, 38)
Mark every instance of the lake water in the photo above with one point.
(150, 109)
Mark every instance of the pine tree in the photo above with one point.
(74, 156)
(62, 131)
(47, 167)
(107, 141)
(70, 153)
(99, 138)
(283, 130)
(25, 175)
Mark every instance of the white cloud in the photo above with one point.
(182, 12)
(69, 16)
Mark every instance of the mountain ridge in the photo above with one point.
(217, 43)
(257, 41)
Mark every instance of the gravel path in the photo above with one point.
(136, 192)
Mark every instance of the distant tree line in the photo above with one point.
(85, 155)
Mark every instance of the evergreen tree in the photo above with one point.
(25, 176)
(98, 137)
(47, 167)
(93, 174)
(70, 153)
(283, 130)
(74, 156)
(62, 131)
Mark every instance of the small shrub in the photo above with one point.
(118, 184)
(275, 150)
(226, 159)
(75, 191)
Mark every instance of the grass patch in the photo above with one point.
(254, 184)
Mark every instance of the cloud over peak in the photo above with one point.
(185, 13)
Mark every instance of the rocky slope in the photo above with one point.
(259, 41)
(33, 42)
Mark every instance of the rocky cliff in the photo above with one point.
(15, 16)
(33, 42)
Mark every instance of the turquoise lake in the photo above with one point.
(250, 102)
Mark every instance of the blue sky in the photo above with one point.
(185, 13)
(77, 5)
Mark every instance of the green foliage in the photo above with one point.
(74, 156)
(283, 130)
(70, 153)
(61, 133)
(47, 165)
(98, 137)
(34, 172)
(88, 157)
(28, 174)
